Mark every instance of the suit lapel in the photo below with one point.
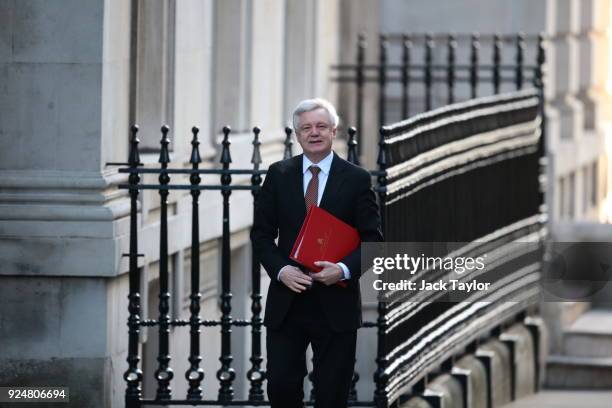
(297, 185)
(334, 182)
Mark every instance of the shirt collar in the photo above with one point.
(324, 164)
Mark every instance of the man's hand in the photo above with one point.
(294, 278)
(330, 274)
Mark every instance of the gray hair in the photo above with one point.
(308, 105)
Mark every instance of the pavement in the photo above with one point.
(565, 399)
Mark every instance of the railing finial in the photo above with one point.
(164, 154)
(497, 45)
(428, 70)
(450, 71)
(538, 79)
(352, 146)
(405, 76)
(195, 143)
(382, 78)
(256, 157)
(520, 52)
(382, 149)
(134, 156)
(226, 158)
(288, 153)
(361, 40)
(474, 47)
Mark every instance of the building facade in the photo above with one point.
(74, 75)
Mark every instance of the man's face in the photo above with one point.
(315, 133)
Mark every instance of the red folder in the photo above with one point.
(323, 237)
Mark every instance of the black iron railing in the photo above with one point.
(436, 77)
(226, 375)
(467, 172)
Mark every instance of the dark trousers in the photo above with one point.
(333, 357)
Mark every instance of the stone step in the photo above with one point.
(571, 372)
(590, 335)
(572, 311)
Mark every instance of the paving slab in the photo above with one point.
(565, 399)
(594, 321)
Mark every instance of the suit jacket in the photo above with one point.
(280, 211)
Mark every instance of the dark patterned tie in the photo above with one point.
(312, 191)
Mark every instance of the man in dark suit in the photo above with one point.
(305, 308)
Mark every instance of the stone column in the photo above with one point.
(193, 81)
(64, 70)
(267, 65)
(300, 51)
(327, 40)
(352, 23)
(563, 83)
(593, 59)
(232, 56)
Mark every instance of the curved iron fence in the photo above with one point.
(468, 172)
(415, 72)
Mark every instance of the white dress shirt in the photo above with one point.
(325, 166)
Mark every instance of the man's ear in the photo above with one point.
(334, 130)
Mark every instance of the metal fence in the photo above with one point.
(413, 69)
(195, 375)
(467, 173)
(486, 150)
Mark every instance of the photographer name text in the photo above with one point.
(423, 285)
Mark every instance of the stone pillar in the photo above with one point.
(327, 15)
(497, 357)
(65, 106)
(352, 23)
(477, 381)
(232, 55)
(447, 390)
(153, 81)
(593, 59)
(576, 79)
(311, 48)
(519, 341)
(248, 75)
(193, 81)
(300, 51)
(267, 65)
(563, 83)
